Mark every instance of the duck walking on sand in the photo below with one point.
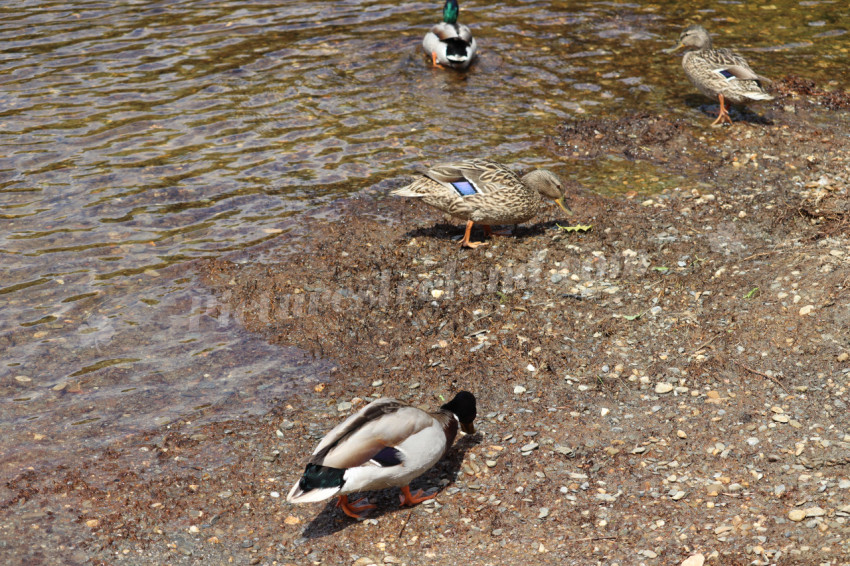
(450, 43)
(483, 191)
(718, 73)
(384, 444)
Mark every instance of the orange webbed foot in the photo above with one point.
(354, 509)
(434, 59)
(407, 498)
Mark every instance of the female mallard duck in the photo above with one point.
(450, 43)
(718, 72)
(484, 191)
(384, 444)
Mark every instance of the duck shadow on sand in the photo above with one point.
(332, 520)
(737, 112)
(454, 232)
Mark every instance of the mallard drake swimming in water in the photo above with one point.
(718, 73)
(450, 43)
(384, 444)
(484, 191)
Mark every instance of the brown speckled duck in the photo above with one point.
(718, 73)
(384, 444)
(485, 192)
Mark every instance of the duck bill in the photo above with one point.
(467, 428)
(563, 205)
(673, 49)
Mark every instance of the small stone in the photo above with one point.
(843, 357)
(365, 561)
(519, 390)
(663, 387)
(377, 383)
(604, 411)
(681, 434)
(194, 529)
(797, 515)
(497, 532)
(23, 378)
(274, 494)
(490, 463)
(437, 293)
(783, 418)
(544, 512)
(530, 367)
(529, 447)
(815, 512)
(806, 310)
(695, 560)
(247, 543)
(93, 523)
(844, 484)
(343, 407)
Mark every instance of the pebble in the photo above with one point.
(544, 512)
(529, 447)
(806, 310)
(843, 357)
(496, 532)
(519, 390)
(782, 418)
(797, 515)
(23, 378)
(604, 411)
(663, 387)
(377, 383)
(815, 512)
(844, 484)
(695, 560)
(343, 407)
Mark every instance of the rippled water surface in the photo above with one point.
(136, 136)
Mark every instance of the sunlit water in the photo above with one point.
(137, 136)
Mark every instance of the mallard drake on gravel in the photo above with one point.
(450, 43)
(385, 444)
(718, 73)
(486, 192)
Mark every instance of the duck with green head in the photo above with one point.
(385, 444)
(718, 73)
(449, 43)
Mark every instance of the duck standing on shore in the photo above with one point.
(483, 191)
(450, 43)
(718, 73)
(384, 444)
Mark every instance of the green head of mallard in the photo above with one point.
(463, 407)
(450, 12)
(694, 36)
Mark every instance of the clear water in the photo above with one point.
(138, 136)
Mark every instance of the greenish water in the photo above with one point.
(137, 136)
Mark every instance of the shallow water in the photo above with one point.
(138, 136)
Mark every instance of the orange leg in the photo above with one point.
(465, 243)
(354, 509)
(723, 113)
(408, 498)
(488, 231)
(434, 59)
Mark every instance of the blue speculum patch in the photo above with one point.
(464, 188)
(729, 75)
